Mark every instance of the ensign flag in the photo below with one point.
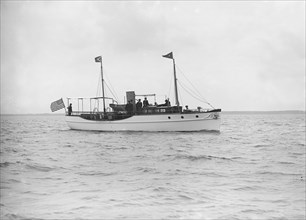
(57, 105)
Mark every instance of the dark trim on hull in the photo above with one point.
(215, 110)
(118, 117)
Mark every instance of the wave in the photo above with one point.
(5, 164)
(248, 188)
(8, 214)
(160, 189)
(93, 173)
(185, 197)
(255, 211)
(210, 174)
(261, 145)
(279, 173)
(201, 157)
(146, 169)
(39, 168)
(286, 162)
(68, 145)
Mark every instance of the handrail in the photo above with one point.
(69, 98)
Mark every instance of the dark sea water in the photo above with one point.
(253, 169)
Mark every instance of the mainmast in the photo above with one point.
(170, 56)
(99, 60)
(175, 85)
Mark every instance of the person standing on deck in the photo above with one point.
(167, 102)
(145, 102)
(138, 105)
(69, 109)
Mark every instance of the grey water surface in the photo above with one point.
(253, 169)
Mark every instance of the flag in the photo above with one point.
(98, 59)
(57, 105)
(169, 55)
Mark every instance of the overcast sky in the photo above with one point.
(240, 55)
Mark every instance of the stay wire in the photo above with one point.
(191, 94)
(110, 91)
(195, 89)
(111, 88)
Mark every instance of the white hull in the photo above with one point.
(209, 121)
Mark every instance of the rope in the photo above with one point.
(195, 89)
(191, 92)
(111, 88)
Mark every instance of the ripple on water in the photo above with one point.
(249, 170)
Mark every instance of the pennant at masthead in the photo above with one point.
(169, 55)
(98, 59)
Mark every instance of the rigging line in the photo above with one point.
(190, 83)
(197, 98)
(186, 89)
(190, 91)
(180, 96)
(194, 96)
(111, 91)
(195, 89)
(112, 88)
(200, 97)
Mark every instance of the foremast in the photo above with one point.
(99, 60)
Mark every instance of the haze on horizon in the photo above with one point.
(241, 56)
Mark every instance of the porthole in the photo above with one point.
(169, 117)
(182, 117)
(197, 116)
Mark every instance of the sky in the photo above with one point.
(239, 55)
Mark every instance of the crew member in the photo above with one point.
(145, 102)
(69, 109)
(139, 105)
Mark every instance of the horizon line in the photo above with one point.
(227, 111)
